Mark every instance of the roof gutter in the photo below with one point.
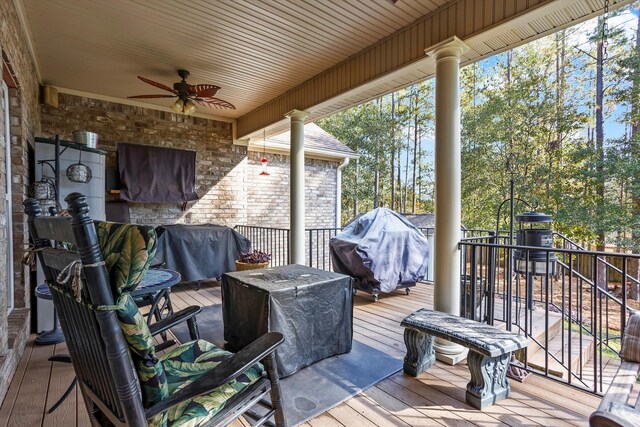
(341, 166)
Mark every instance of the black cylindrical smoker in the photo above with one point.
(534, 229)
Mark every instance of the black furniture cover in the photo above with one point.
(312, 308)
(382, 250)
(156, 174)
(202, 251)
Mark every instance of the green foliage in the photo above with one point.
(529, 115)
(374, 131)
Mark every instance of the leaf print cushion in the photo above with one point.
(128, 250)
(187, 363)
(151, 374)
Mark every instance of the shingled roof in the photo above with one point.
(316, 142)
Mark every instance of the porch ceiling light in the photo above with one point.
(184, 106)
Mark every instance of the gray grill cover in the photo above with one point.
(312, 308)
(203, 251)
(381, 250)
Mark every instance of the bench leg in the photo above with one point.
(489, 382)
(420, 353)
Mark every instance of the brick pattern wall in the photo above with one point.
(268, 196)
(24, 124)
(22, 142)
(220, 166)
(4, 241)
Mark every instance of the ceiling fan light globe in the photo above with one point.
(189, 107)
(177, 106)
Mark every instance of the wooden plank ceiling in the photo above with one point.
(270, 56)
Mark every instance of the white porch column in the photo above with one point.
(448, 190)
(296, 182)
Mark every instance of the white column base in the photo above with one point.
(448, 352)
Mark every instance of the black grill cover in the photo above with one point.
(382, 250)
(203, 251)
(312, 308)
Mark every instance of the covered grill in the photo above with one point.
(382, 251)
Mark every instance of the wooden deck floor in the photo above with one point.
(436, 397)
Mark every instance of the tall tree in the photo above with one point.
(393, 150)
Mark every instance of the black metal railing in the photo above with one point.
(557, 297)
(317, 245)
(573, 313)
(276, 242)
(268, 239)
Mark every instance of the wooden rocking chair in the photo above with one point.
(123, 382)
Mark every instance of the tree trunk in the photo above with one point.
(393, 151)
(376, 171)
(406, 171)
(420, 178)
(399, 177)
(376, 182)
(600, 245)
(634, 268)
(415, 157)
(355, 193)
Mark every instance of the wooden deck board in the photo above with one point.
(14, 388)
(435, 398)
(28, 409)
(61, 378)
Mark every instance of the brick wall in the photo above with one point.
(228, 182)
(24, 124)
(220, 166)
(268, 196)
(4, 241)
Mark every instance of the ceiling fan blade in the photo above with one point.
(216, 103)
(158, 85)
(203, 91)
(152, 96)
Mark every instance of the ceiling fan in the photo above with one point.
(188, 95)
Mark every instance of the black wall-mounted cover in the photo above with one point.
(156, 174)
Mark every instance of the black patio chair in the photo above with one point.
(188, 314)
(123, 382)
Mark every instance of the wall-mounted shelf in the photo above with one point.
(70, 154)
(70, 144)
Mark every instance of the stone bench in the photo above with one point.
(489, 351)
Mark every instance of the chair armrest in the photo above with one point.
(174, 319)
(226, 371)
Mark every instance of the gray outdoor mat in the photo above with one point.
(316, 388)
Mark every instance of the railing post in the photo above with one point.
(310, 248)
(474, 283)
(491, 278)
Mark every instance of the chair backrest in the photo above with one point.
(95, 341)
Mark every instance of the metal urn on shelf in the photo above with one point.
(86, 138)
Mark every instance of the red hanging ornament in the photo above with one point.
(264, 160)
